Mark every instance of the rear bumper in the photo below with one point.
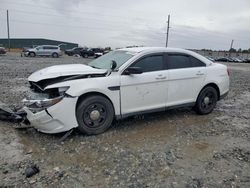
(57, 118)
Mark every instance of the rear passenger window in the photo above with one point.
(176, 61)
(149, 64)
(196, 63)
(50, 47)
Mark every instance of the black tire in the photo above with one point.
(85, 55)
(206, 100)
(94, 106)
(32, 54)
(55, 55)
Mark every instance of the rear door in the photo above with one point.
(186, 77)
(146, 91)
(46, 50)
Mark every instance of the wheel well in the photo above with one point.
(85, 95)
(215, 87)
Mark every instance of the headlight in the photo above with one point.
(40, 101)
(39, 105)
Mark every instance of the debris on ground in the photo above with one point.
(31, 170)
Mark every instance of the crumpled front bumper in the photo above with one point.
(55, 119)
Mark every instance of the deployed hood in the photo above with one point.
(64, 70)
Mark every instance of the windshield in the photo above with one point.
(39, 47)
(104, 62)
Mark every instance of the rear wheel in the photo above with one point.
(206, 101)
(55, 55)
(94, 115)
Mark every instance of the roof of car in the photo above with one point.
(154, 49)
(164, 49)
(49, 45)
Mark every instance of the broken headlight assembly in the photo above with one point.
(37, 102)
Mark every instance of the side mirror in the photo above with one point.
(133, 70)
(113, 65)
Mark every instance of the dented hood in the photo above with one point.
(64, 70)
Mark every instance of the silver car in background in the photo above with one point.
(44, 50)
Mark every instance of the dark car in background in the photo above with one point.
(2, 50)
(74, 51)
(223, 59)
(92, 52)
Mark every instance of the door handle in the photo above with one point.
(160, 77)
(199, 73)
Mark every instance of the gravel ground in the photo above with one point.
(176, 148)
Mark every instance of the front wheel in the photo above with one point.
(32, 54)
(206, 101)
(94, 115)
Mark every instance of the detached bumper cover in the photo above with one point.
(55, 119)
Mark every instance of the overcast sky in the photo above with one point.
(195, 24)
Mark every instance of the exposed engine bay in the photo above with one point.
(39, 98)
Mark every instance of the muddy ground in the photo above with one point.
(176, 148)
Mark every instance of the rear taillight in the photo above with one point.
(228, 72)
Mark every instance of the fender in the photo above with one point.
(101, 85)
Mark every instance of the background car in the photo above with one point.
(246, 61)
(92, 52)
(3, 50)
(73, 51)
(210, 58)
(24, 50)
(223, 59)
(44, 50)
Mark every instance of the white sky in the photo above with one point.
(196, 24)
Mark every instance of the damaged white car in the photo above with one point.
(122, 83)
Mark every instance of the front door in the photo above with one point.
(40, 50)
(146, 91)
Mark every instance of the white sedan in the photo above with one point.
(123, 83)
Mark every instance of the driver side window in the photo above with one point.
(150, 64)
